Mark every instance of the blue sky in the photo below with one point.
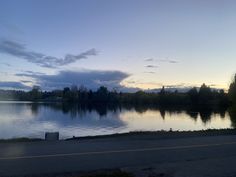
(117, 43)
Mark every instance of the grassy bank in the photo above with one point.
(162, 134)
(21, 139)
(139, 134)
(99, 173)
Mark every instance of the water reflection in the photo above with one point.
(232, 115)
(33, 119)
(78, 110)
(75, 110)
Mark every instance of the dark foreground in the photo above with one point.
(140, 155)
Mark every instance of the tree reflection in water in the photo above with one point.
(232, 115)
(75, 110)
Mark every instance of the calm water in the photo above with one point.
(24, 119)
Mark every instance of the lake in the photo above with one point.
(26, 119)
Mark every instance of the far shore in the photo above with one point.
(138, 135)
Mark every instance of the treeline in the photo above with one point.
(195, 96)
(202, 96)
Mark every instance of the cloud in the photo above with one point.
(149, 72)
(169, 61)
(173, 61)
(151, 66)
(10, 28)
(149, 59)
(20, 50)
(161, 60)
(13, 85)
(91, 79)
(26, 81)
(181, 85)
(29, 74)
(131, 82)
(5, 64)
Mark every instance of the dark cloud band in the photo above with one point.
(92, 79)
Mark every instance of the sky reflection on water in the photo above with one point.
(33, 120)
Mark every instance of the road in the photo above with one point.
(183, 156)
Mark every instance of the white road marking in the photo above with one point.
(116, 151)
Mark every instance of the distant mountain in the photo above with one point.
(169, 89)
(173, 89)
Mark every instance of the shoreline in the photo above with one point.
(162, 134)
(138, 135)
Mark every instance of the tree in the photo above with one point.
(67, 94)
(83, 94)
(74, 93)
(74, 88)
(162, 96)
(36, 93)
(102, 94)
(232, 91)
(162, 92)
(223, 98)
(205, 94)
(193, 95)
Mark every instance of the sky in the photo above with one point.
(121, 44)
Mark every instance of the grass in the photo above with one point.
(163, 133)
(14, 140)
(157, 134)
(113, 174)
(105, 173)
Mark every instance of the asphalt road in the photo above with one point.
(186, 156)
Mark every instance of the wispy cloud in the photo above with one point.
(180, 85)
(26, 81)
(29, 74)
(149, 72)
(13, 85)
(21, 51)
(161, 60)
(149, 59)
(169, 61)
(5, 64)
(10, 28)
(151, 66)
(131, 82)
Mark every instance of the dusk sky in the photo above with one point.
(117, 43)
